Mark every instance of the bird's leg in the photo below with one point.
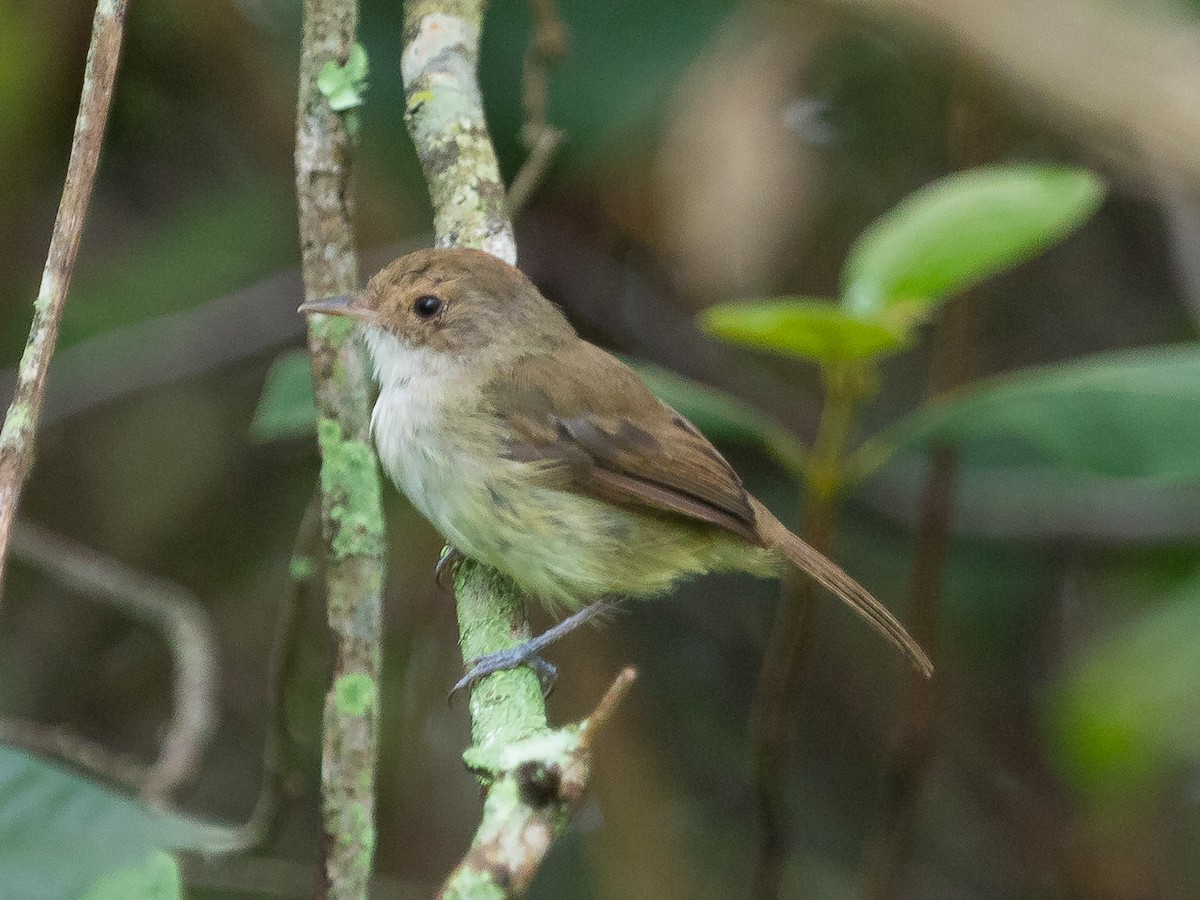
(447, 564)
(528, 652)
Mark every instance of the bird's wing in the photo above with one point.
(605, 435)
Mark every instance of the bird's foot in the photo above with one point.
(447, 565)
(525, 654)
(528, 653)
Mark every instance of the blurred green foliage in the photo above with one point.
(285, 408)
(157, 878)
(942, 240)
(938, 242)
(61, 833)
(196, 200)
(1127, 414)
(1121, 716)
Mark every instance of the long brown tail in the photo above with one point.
(776, 536)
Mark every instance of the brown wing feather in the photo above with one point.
(617, 441)
(614, 440)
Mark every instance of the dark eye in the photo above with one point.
(427, 306)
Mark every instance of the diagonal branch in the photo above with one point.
(20, 423)
(172, 611)
(541, 139)
(351, 509)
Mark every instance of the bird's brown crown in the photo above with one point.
(459, 301)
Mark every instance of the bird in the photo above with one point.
(536, 452)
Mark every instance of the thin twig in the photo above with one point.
(90, 758)
(773, 718)
(607, 706)
(169, 609)
(541, 139)
(20, 423)
(915, 742)
(546, 49)
(351, 508)
(303, 573)
(533, 169)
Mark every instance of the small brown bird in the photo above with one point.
(537, 453)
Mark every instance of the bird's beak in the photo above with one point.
(350, 305)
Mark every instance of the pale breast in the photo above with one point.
(424, 431)
(448, 458)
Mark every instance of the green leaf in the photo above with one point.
(810, 329)
(345, 85)
(285, 408)
(60, 833)
(1045, 503)
(1129, 414)
(723, 417)
(1127, 709)
(960, 230)
(157, 878)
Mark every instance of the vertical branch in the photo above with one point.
(20, 423)
(444, 114)
(534, 776)
(351, 513)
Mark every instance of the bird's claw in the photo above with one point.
(447, 563)
(501, 661)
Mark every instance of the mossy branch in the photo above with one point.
(351, 510)
(95, 100)
(534, 775)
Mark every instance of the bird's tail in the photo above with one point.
(776, 536)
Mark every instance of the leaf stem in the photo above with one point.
(773, 728)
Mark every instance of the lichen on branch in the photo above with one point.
(444, 114)
(534, 775)
(351, 508)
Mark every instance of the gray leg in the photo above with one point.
(528, 652)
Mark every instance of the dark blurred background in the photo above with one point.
(714, 150)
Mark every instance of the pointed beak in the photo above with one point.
(350, 305)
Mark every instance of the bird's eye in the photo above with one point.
(427, 306)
